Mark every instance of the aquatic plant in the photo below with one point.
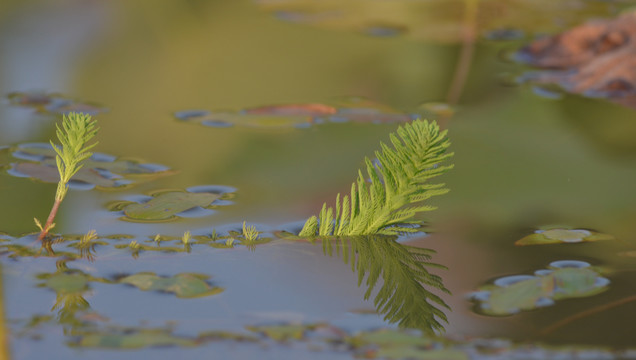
(187, 238)
(399, 179)
(250, 233)
(77, 130)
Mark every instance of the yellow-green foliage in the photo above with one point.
(77, 130)
(399, 183)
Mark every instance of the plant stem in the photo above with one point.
(49, 220)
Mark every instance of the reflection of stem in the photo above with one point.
(586, 313)
(4, 341)
(466, 53)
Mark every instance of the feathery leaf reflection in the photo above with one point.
(403, 297)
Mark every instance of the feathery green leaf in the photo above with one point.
(397, 184)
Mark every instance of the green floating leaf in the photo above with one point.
(50, 174)
(565, 279)
(420, 354)
(53, 103)
(284, 332)
(388, 337)
(167, 205)
(65, 283)
(400, 344)
(131, 339)
(298, 115)
(182, 285)
(101, 170)
(562, 235)
(399, 183)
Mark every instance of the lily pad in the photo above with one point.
(101, 170)
(560, 281)
(53, 103)
(182, 285)
(299, 115)
(562, 235)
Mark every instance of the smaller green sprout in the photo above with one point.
(77, 130)
(230, 242)
(134, 245)
(249, 233)
(157, 238)
(86, 246)
(187, 237)
(86, 239)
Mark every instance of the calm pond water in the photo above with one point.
(183, 94)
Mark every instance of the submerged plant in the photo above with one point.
(77, 130)
(398, 180)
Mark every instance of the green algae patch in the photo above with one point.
(562, 235)
(182, 285)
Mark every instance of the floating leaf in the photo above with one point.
(50, 174)
(166, 205)
(389, 337)
(437, 20)
(565, 279)
(53, 103)
(67, 283)
(351, 109)
(420, 354)
(293, 109)
(101, 170)
(130, 339)
(561, 235)
(182, 285)
(282, 332)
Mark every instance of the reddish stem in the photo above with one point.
(50, 219)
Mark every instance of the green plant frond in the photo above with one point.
(250, 234)
(310, 228)
(397, 183)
